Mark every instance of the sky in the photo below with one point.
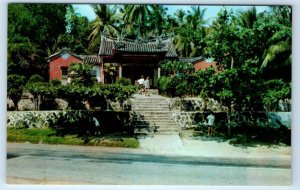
(211, 11)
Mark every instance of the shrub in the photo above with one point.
(166, 85)
(123, 81)
(15, 85)
(36, 78)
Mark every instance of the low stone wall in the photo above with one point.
(192, 119)
(110, 121)
(115, 120)
(31, 119)
(195, 104)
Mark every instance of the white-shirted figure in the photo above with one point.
(147, 86)
(141, 84)
(210, 123)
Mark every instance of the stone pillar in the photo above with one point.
(158, 72)
(102, 72)
(120, 71)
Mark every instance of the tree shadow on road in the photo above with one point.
(244, 139)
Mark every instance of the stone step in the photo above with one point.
(152, 124)
(153, 120)
(159, 131)
(148, 99)
(162, 116)
(146, 113)
(150, 105)
(167, 122)
(168, 130)
(157, 112)
(150, 116)
(153, 108)
(147, 103)
(150, 109)
(153, 117)
(141, 126)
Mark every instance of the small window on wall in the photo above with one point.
(64, 72)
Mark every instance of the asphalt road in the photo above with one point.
(29, 163)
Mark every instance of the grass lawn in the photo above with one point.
(48, 136)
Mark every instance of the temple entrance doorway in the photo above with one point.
(134, 72)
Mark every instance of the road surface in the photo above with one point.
(61, 165)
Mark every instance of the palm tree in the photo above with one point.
(247, 18)
(180, 16)
(105, 23)
(189, 40)
(158, 19)
(195, 17)
(278, 55)
(137, 16)
(283, 14)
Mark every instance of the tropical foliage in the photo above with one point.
(15, 84)
(229, 38)
(252, 47)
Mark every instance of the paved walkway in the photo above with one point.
(214, 148)
(186, 145)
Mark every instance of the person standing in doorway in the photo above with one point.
(147, 86)
(210, 123)
(141, 84)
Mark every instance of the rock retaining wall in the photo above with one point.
(195, 104)
(31, 119)
(192, 119)
(110, 121)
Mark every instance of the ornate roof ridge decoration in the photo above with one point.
(64, 50)
(154, 45)
(163, 37)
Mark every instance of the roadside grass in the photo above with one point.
(48, 136)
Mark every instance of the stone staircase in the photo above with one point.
(152, 114)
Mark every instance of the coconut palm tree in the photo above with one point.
(278, 55)
(105, 23)
(180, 16)
(247, 18)
(195, 17)
(189, 39)
(158, 19)
(137, 17)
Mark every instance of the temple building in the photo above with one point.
(129, 58)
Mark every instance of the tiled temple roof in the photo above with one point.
(64, 50)
(84, 58)
(90, 58)
(155, 46)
